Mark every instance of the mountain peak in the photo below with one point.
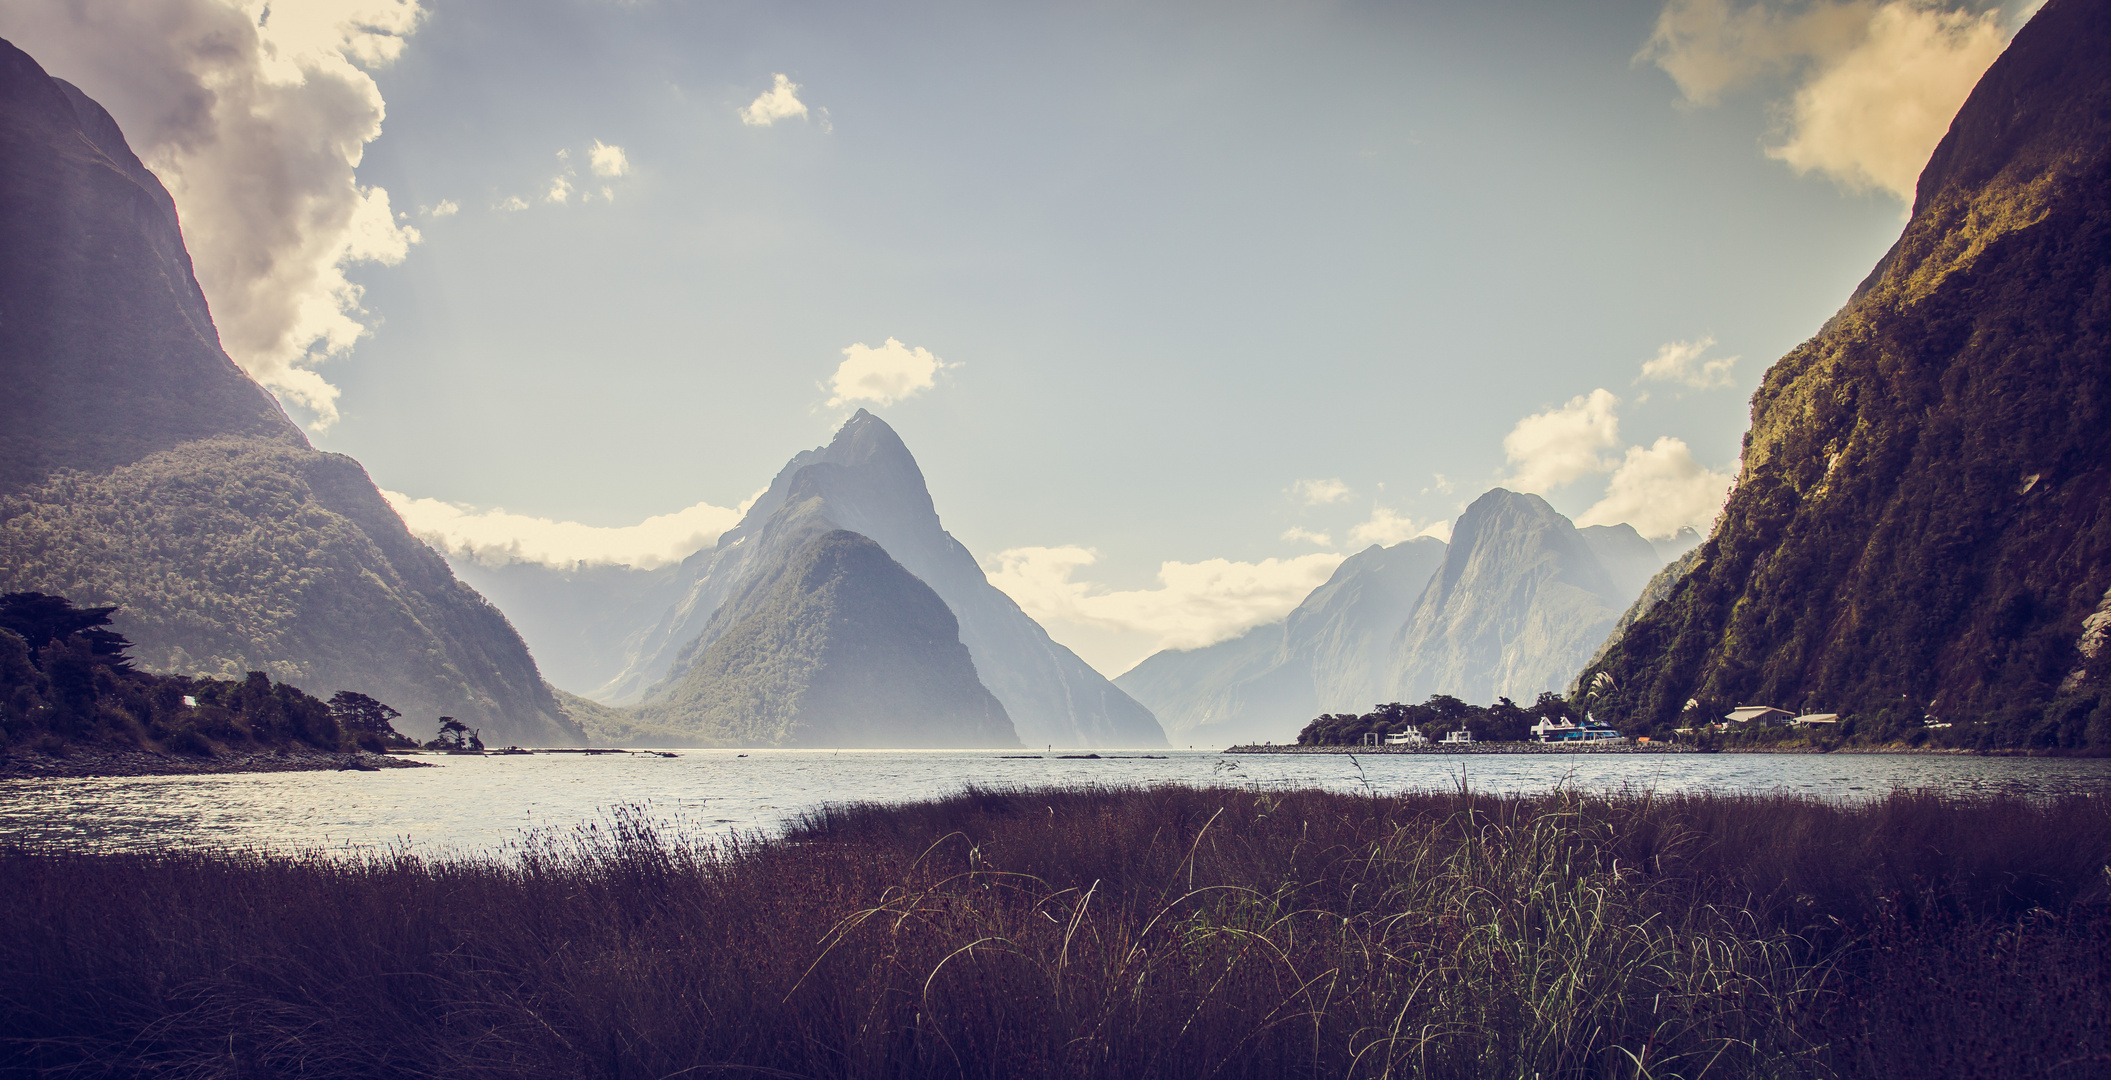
(865, 438)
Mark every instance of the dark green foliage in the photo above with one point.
(234, 555)
(1923, 522)
(72, 690)
(369, 722)
(1170, 932)
(1504, 721)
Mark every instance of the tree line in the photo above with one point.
(1504, 721)
(65, 680)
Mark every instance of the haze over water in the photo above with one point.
(471, 805)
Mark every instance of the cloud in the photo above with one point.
(885, 375)
(780, 102)
(256, 125)
(1195, 604)
(603, 160)
(1320, 492)
(1660, 489)
(1680, 362)
(1386, 527)
(444, 208)
(1551, 448)
(608, 160)
(494, 536)
(1876, 84)
(1296, 533)
(511, 203)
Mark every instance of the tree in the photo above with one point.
(367, 721)
(41, 620)
(454, 735)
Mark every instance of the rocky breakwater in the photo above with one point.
(84, 761)
(1476, 748)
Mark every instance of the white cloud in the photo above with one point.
(1296, 533)
(495, 536)
(1681, 362)
(1871, 120)
(512, 203)
(444, 208)
(1876, 84)
(608, 160)
(1195, 604)
(256, 125)
(1551, 448)
(1386, 527)
(884, 375)
(560, 189)
(780, 102)
(1320, 492)
(1660, 489)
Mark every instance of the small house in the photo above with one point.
(1759, 715)
(1461, 737)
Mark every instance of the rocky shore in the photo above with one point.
(83, 761)
(1472, 748)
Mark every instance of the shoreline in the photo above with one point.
(1653, 748)
(84, 762)
(1468, 748)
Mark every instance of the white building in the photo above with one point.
(1759, 714)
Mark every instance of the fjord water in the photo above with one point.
(472, 805)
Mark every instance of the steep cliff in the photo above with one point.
(140, 467)
(1922, 523)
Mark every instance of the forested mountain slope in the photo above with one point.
(140, 467)
(1922, 524)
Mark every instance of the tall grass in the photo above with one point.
(1166, 932)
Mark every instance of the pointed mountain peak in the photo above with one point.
(863, 439)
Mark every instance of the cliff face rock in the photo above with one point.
(1519, 604)
(865, 481)
(1923, 517)
(140, 467)
(1331, 654)
(837, 646)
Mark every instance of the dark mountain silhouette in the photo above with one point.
(1922, 524)
(140, 467)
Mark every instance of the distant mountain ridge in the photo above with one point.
(1922, 524)
(140, 467)
(1522, 600)
(1333, 652)
(1512, 607)
(865, 481)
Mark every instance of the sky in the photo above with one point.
(1176, 304)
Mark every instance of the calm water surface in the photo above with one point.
(482, 805)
